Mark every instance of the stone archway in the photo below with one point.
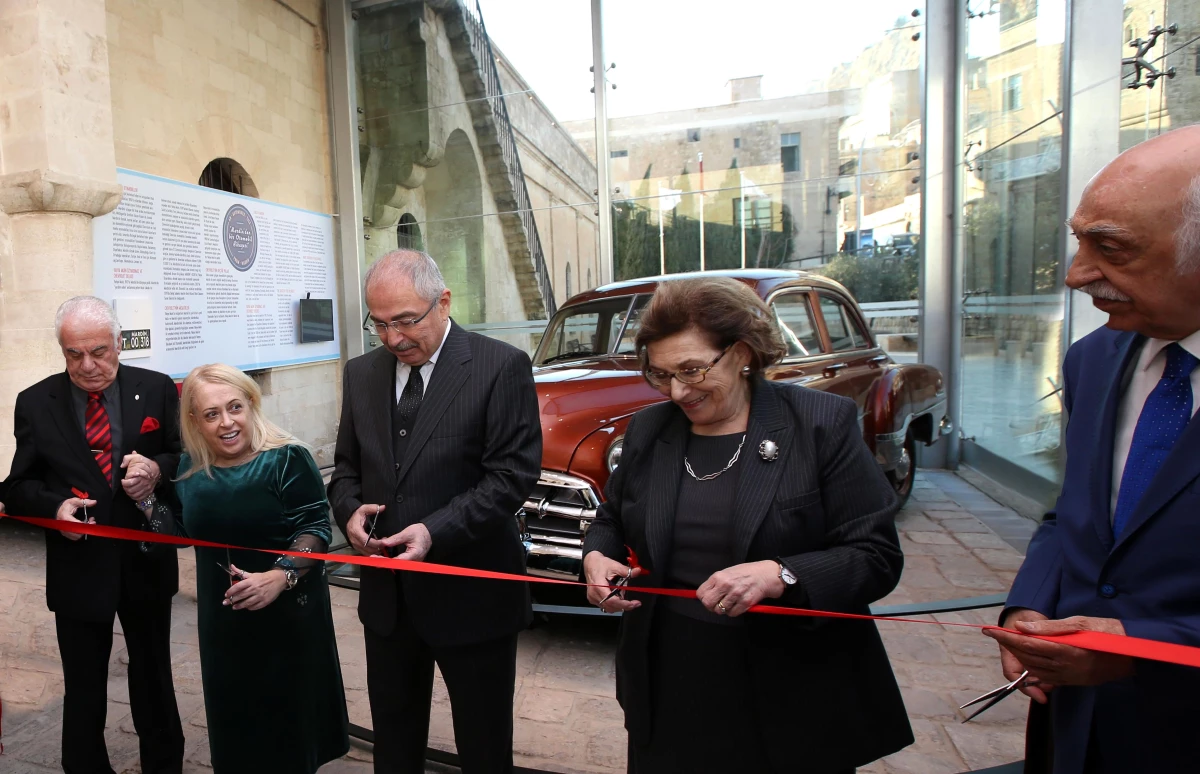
(454, 228)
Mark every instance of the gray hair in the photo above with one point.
(415, 266)
(89, 309)
(1187, 236)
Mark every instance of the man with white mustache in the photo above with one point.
(1119, 553)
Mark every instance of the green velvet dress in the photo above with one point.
(272, 680)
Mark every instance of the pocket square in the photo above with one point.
(150, 424)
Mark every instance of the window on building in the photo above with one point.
(227, 175)
(621, 154)
(737, 142)
(1129, 33)
(844, 331)
(789, 151)
(757, 213)
(569, 292)
(1012, 93)
(795, 318)
(408, 233)
(1198, 61)
(693, 135)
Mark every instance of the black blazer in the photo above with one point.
(825, 690)
(474, 455)
(84, 578)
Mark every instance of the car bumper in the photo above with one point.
(553, 522)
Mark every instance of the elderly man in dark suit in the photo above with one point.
(73, 431)
(1119, 553)
(439, 443)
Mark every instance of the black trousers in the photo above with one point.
(480, 679)
(85, 648)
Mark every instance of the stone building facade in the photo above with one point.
(165, 87)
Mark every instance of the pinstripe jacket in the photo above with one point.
(826, 694)
(473, 456)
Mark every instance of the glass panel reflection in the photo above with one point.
(1166, 94)
(1011, 231)
(733, 156)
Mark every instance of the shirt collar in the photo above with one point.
(1154, 346)
(434, 357)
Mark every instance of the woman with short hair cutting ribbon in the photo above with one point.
(273, 689)
(749, 491)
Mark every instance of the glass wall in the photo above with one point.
(1167, 34)
(760, 145)
(464, 151)
(1012, 221)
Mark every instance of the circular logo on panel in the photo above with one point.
(240, 236)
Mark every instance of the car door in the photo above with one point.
(797, 322)
(855, 361)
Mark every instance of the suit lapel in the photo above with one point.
(63, 411)
(667, 467)
(1178, 471)
(449, 373)
(381, 397)
(133, 411)
(758, 478)
(1125, 348)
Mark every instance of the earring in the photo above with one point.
(746, 370)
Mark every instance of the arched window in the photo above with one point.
(227, 175)
(569, 293)
(408, 233)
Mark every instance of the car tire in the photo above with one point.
(904, 474)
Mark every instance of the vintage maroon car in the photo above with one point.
(589, 384)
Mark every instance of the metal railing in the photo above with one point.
(481, 45)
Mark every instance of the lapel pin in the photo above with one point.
(768, 450)
(137, 397)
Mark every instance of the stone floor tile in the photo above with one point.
(982, 745)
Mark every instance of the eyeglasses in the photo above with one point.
(380, 329)
(662, 379)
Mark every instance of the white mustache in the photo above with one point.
(1103, 289)
(404, 346)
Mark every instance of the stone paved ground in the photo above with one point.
(567, 719)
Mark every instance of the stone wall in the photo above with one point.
(246, 80)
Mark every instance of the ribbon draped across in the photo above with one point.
(1101, 642)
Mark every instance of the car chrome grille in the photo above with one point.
(559, 510)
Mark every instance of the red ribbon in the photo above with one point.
(1101, 642)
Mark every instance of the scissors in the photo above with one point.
(232, 574)
(372, 536)
(618, 587)
(997, 695)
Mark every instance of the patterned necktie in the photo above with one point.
(99, 435)
(410, 399)
(1167, 412)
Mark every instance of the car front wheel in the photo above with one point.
(904, 474)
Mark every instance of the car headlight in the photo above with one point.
(613, 458)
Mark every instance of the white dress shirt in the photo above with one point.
(1146, 372)
(403, 369)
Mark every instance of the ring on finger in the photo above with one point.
(721, 605)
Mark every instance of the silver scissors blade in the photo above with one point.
(995, 696)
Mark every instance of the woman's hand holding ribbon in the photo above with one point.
(736, 589)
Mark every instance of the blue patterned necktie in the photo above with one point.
(1167, 412)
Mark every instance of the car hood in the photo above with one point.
(577, 399)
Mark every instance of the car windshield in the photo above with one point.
(592, 329)
(903, 240)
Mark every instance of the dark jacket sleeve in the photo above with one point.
(512, 461)
(28, 493)
(607, 532)
(863, 560)
(1036, 586)
(168, 459)
(345, 485)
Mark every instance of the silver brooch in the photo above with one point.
(768, 450)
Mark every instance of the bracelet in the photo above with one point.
(148, 502)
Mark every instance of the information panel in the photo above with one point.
(200, 276)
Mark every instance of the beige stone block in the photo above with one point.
(168, 53)
(257, 47)
(18, 33)
(220, 76)
(216, 101)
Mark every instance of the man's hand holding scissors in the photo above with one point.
(67, 512)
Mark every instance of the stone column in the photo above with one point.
(57, 172)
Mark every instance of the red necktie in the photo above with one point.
(99, 434)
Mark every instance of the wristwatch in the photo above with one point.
(290, 576)
(786, 575)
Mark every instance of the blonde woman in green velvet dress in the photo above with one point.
(273, 690)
